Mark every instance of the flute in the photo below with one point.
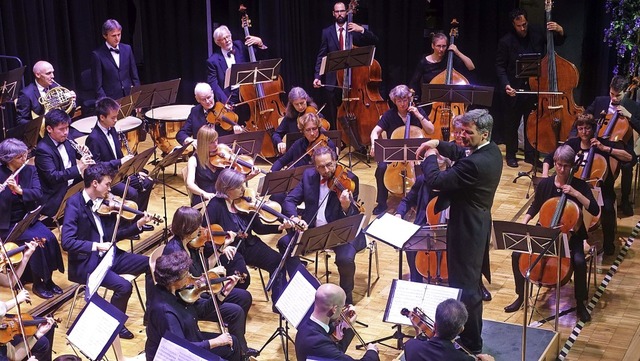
(12, 176)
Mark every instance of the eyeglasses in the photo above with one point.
(311, 130)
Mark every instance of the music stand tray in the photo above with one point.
(10, 83)
(528, 65)
(134, 165)
(20, 227)
(127, 104)
(256, 72)
(346, 59)
(156, 94)
(249, 143)
(467, 94)
(397, 150)
(281, 181)
(330, 235)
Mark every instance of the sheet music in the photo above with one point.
(97, 276)
(93, 330)
(296, 299)
(170, 351)
(392, 230)
(406, 294)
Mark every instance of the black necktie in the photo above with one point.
(113, 50)
(90, 204)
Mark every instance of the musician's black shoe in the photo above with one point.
(512, 162)
(581, 311)
(54, 287)
(486, 295)
(251, 352)
(626, 209)
(147, 228)
(41, 291)
(136, 237)
(379, 209)
(125, 333)
(515, 306)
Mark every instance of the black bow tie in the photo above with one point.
(113, 50)
(232, 51)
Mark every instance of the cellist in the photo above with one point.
(579, 192)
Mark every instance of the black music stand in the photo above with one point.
(10, 84)
(127, 104)
(281, 181)
(427, 239)
(20, 227)
(28, 133)
(78, 187)
(249, 143)
(397, 150)
(530, 239)
(330, 235)
(134, 165)
(256, 72)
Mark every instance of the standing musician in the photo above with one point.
(522, 39)
(433, 64)
(314, 338)
(234, 302)
(299, 102)
(86, 236)
(28, 103)
(224, 209)
(59, 164)
(470, 185)
(21, 195)
(105, 146)
(168, 312)
(585, 125)
(229, 52)
(198, 116)
(451, 316)
(391, 120)
(113, 66)
(334, 39)
(578, 191)
(323, 206)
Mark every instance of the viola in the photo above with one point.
(112, 205)
(196, 286)
(323, 122)
(226, 158)
(268, 211)
(340, 181)
(221, 116)
(14, 252)
(433, 265)
(10, 326)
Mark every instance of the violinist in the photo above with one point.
(579, 192)
(105, 146)
(234, 302)
(314, 341)
(299, 102)
(38, 343)
(451, 315)
(225, 210)
(522, 39)
(334, 38)
(198, 117)
(392, 119)
(86, 236)
(322, 206)
(21, 195)
(168, 312)
(433, 64)
(6, 278)
(585, 125)
(300, 152)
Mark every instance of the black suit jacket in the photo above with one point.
(196, 119)
(53, 175)
(433, 349)
(329, 42)
(217, 68)
(79, 232)
(101, 150)
(601, 104)
(110, 80)
(28, 101)
(31, 193)
(313, 340)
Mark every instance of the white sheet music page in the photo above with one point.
(92, 331)
(414, 294)
(392, 230)
(97, 276)
(296, 299)
(169, 351)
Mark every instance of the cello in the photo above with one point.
(266, 107)
(433, 264)
(362, 105)
(443, 113)
(556, 112)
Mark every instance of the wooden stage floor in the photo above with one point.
(613, 334)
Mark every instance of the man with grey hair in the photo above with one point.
(470, 186)
(113, 66)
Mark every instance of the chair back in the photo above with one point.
(367, 194)
(153, 258)
(184, 177)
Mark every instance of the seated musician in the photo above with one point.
(59, 164)
(105, 146)
(7, 278)
(391, 120)
(614, 152)
(322, 206)
(227, 210)
(451, 315)
(299, 100)
(314, 338)
(21, 195)
(234, 302)
(168, 312)
(86, 236)
(201, 173)
(198, 116)
(579, 192)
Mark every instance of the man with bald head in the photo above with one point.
(28, 99)
(313, 339)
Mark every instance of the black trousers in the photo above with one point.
(233, 309)
(515, 110)
(126, 263)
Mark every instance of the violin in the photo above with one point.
(10, 326)
(14, 252)
(196, 286)
(323, 122)
(214, 233)
(226, 158)
(344, 322)
(221, 116)
(321, 141)
(129, 209)
(340, 181)
(268, 211)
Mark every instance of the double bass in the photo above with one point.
(362, 104)
(265, 104)
(443, 113)
(556, 112)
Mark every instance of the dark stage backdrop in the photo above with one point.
(170, 41)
